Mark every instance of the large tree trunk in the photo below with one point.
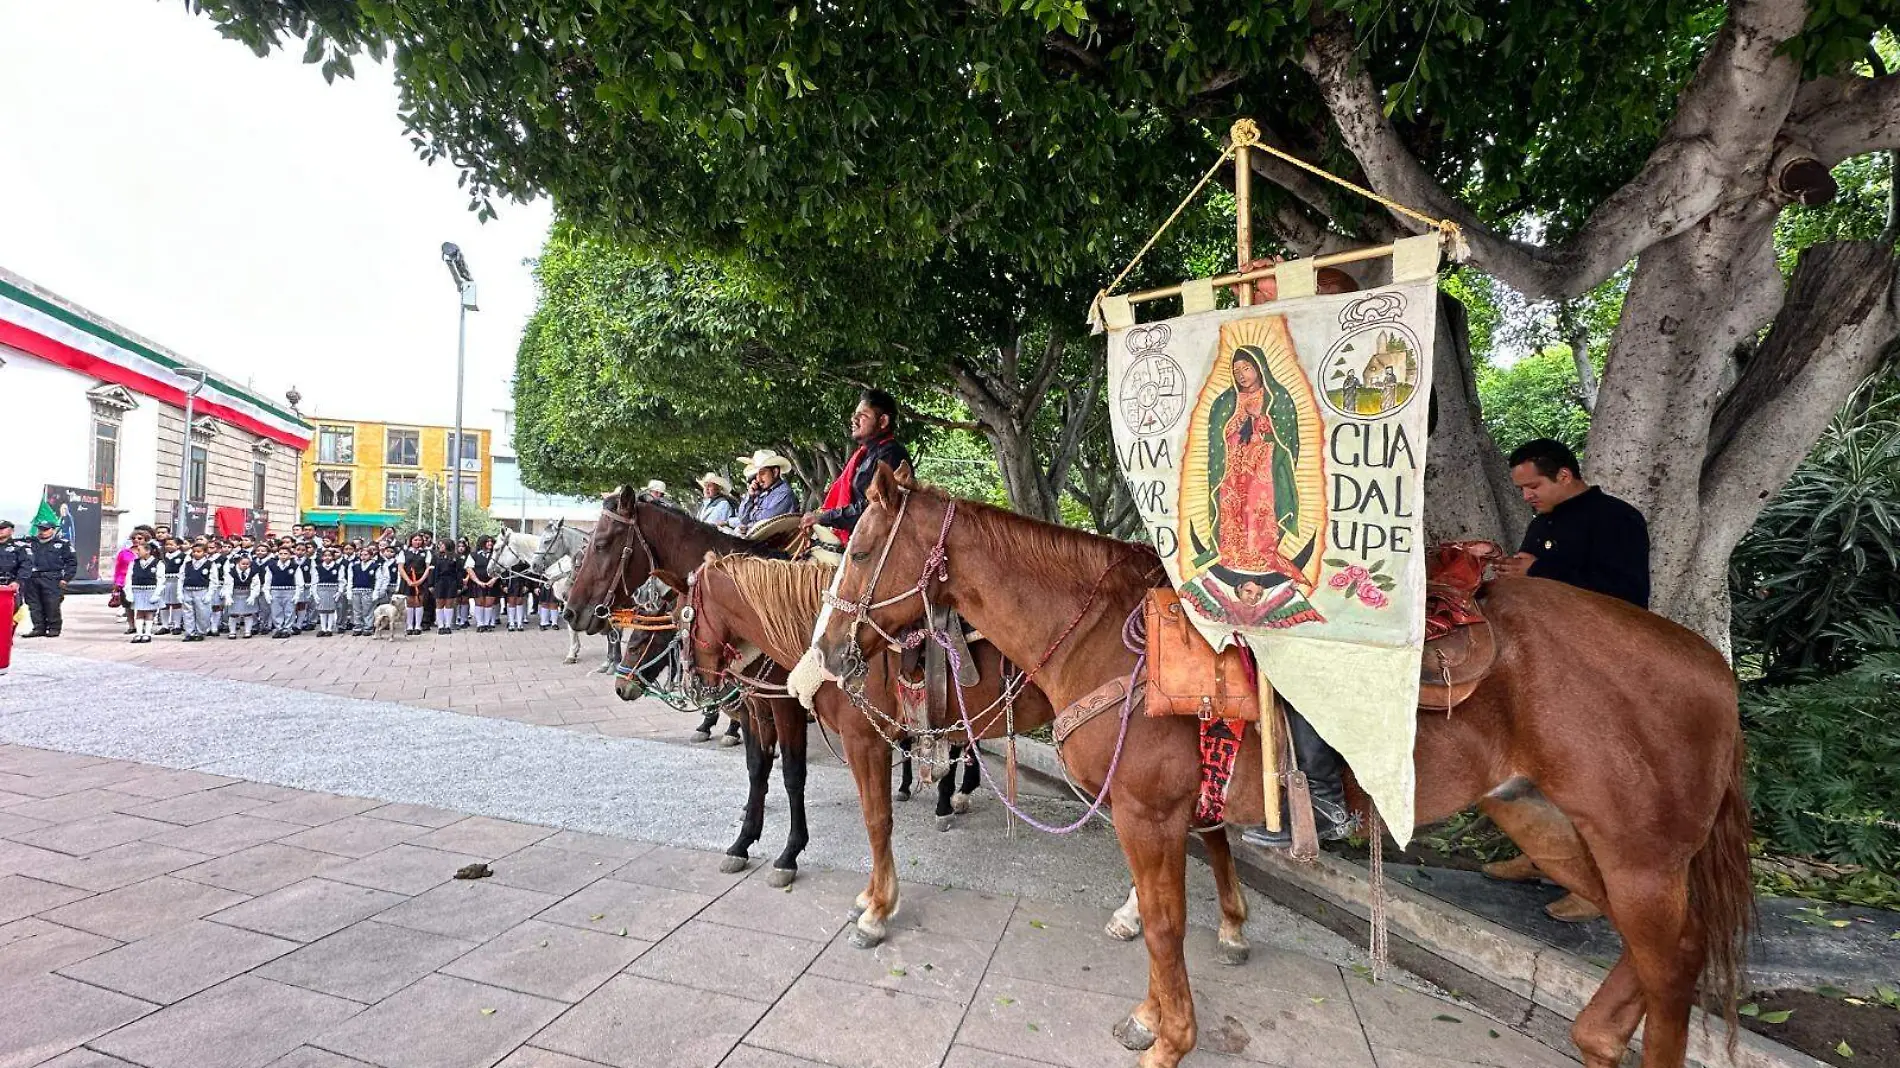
(1468, 490)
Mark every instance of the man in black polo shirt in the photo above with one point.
(1584, 537)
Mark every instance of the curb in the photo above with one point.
(1536, 988)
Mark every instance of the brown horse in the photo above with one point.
(1606, 742)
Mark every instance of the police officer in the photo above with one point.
(54, 565)
(16, 564)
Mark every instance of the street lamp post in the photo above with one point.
(465, 285)
(184, 456)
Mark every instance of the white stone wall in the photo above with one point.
(228, 468)
(46, 424)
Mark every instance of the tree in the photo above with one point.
(1568, 141)
(429, 511)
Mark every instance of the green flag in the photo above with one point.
(44, 515)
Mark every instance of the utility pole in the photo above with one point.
(465, 286)
(184, 456)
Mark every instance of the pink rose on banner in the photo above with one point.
(1372, 595)
(1340, 581)
(1370, 585)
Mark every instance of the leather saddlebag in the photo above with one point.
(1185, 676)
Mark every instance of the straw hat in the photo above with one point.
(713, 478)
(656, 486)
(763, 459)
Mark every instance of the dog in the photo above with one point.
(388, 621)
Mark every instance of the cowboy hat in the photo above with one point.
(763, 459)
(656, 486)
(713, 478)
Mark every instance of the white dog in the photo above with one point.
(388, 618)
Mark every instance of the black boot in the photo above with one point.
(1325, 779)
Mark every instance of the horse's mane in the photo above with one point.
(785, 594)
(1047, 552)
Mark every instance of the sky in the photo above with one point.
(249, 216)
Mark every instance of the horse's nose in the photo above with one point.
(568, 614)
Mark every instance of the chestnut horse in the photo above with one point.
(1605, 742)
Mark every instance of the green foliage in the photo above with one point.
(1826, 551)
(1857, 214)
(430, 511)
(1536, 397)
(1821, 759)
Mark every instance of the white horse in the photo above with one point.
(552, 556)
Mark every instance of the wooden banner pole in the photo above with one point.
(1242, 136)
(1269, 751)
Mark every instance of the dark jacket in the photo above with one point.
(55, 558)
(16, 561)
(890, 451)
(1595, 541)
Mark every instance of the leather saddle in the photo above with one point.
(1460, 646)
(1185, 676)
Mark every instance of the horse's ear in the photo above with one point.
(884, 485)
(906, 477)
(711, 556)
(671, 579)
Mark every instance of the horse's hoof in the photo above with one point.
(1133, 1034)
(944, 823)
(727, 741)
(1232, 953)
(702, 736)
(863, 939)
(1122, 932)
(571, 660)
(960, 804)
(903, 794)
(779, 878)
(732, 864)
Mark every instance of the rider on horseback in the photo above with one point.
(768, 495)
(874, 430)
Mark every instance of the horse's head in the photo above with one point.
(876, 587)
(612, 565)
(650, 646)
(551, 549)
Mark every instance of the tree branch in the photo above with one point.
(1845, 116)
(1038, 386)
(1736, 103)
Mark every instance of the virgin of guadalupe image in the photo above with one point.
(1252, 486)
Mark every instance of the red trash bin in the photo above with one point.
(6, 627)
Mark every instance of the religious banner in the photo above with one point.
(1277, 456)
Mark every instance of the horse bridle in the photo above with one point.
(936, 565)
(604, 610)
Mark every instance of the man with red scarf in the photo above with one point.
(874, 430)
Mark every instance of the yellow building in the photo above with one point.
(362, 475)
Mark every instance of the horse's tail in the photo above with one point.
(1722, 897)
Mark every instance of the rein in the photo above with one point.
(620, 586)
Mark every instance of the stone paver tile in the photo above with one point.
(1259, 1025)
(85, 1058)
(144, 909)
(94, 833)
(265, 792)
(194, 808)
(745, 964)
(262, 868)
(971, 1057)
(12, 825)
(404, 869)
(119, 866)
(681, 869)
(912, 962)
(354, 836)
(17, 859)
(1071, 1027)
(599, 844)
(967, 914)
(475, 909)
(46, 1015)
(366, 961)
(530, 1057)
(55, 783)
(634, 1022)
(549, 960)
(176, 964)
(308, 910)
(486, 838)
(29, 947)
(855, 1026)
(69, 808)
(442, 1022)
(163, 784)
(744, 1056)
(814, 907)
(550, 870)
(312, 810)
(646, 912)
(1064, 945)
(226, 834)
(240, 1023)
(312, 1057)
(420, 815)
(1401, 1058)
(21, 897)
(1397, 1018)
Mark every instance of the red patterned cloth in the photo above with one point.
(1220, 749)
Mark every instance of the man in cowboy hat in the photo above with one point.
(716, 509)
(768, 495)
(654, 493)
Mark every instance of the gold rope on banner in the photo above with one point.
(1245, 134)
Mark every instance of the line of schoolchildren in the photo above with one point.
(285, 586)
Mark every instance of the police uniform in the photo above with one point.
(16, 566)
(195, 581)
(53, 564)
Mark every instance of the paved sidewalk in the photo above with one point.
(178, 919)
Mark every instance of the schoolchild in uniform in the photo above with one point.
(220, 556)
(194, 584)
(283, 576)
(244, 592)
(389, 578)
(482, 583)
(415, 570)
(305, 557)
(448, 585)
(463, 617)
(363, 576)
(170, 603)
(327, 572)
(547, 605)
(519, 587)
(142, 582)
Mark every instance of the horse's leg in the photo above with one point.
(946, 791)
(758, 765)
(731, 737)
(573, 646)
(1230, 947)
(1125, 924)
(903, 788)
(703, 732)
(1603, 1029)
(1156, 847)
(1545, 835)
(871, 767)
(1651, 911)
(972, 778)
(790, 719)
(613, 651)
